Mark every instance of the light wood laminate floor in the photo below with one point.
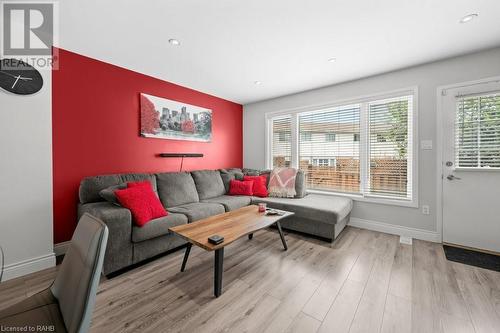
(365, 282)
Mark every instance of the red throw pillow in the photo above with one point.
(259, 185)
(239, 187)
(142, 202)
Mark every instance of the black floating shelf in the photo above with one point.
(180, 155)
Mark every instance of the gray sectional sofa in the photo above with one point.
(191, 196)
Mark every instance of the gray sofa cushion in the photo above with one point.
(198, 210)
(229, 174)
(256, 172)
(208, 183)
(108, 193)
(157, 227)
(300, 184)
(323, 208)
(231, 202)
(91, 186)
(235, 171)
(176, 188)
(251, 172)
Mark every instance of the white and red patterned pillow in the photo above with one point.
(282, 183)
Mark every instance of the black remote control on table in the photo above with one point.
(215, 239)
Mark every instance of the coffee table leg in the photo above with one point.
(281, 235)
(250, 236)
(186, 255)
(218, 268)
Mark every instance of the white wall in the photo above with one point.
(427, 77)
(26, 180)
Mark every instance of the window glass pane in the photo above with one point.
(477, 132)
(389, 148)
(327, 152)
(281, 142)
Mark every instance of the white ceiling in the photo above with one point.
(226, 45)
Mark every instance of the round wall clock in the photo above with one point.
(19, 78)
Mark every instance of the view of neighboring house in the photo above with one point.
(329, 145)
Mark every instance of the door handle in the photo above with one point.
(452, 177)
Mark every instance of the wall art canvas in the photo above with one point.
(166, 119)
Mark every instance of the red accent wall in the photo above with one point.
(95, 126)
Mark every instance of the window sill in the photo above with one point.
(370, 199)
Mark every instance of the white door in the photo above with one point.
(471, 166)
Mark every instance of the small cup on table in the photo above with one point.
(262, 207)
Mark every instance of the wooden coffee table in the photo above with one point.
(232, 226)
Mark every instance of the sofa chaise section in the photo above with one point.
(320, 215)
(316, 214)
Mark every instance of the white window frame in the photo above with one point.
(363, 143)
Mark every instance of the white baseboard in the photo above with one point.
(61, 248)
(28, 266)
(421, 234)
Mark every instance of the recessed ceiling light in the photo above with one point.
(174, 42)
(468, 18)
(332, 59)
(257, 82)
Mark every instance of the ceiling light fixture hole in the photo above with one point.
(468, 18)
(174, 41)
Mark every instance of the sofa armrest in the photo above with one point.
(119, 250)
